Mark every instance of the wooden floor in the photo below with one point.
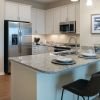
(5, 87)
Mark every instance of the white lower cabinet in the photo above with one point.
(39, 49)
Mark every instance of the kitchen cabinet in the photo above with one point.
(11, 11)
(38, 21)
(40, 25)
(34, 17)
(41, 49)
(18, 12)
(64, 15)
(77, 18)
(50, 21)
(56, 20)
(71, 12)
(35, 50)
(25, 12)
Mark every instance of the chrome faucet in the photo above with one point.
(75, 40)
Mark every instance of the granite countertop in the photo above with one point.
(64, 45)
(42, 62)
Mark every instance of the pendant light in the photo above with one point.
(89, 2)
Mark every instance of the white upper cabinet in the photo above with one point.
(11, 11)
(34, 20)
(18, 12)
(71, 12)
(56, 20)
(38, 21)
(50, 21)
(25, 12)
(64, 15)
(78, 18)
(40, 24)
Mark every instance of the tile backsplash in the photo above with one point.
(59, 38)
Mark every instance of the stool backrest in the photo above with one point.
(94, 83)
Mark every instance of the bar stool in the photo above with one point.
(84, 87)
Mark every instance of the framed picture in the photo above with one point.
(95, 23)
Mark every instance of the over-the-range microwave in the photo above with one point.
(68, 27)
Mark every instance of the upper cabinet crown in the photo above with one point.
(18, 12)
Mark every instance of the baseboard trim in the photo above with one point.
(2, 73)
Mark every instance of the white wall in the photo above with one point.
(1, 35)
(86, 38)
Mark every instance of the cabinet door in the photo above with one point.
(56, 20)
(34, 18)
(64, 14)
(78, 18)
(43, 49)
(35, 50)
(25, 12)
(71, 12)
(50, 21)
(11, 11)
(40, 23)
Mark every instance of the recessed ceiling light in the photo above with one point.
(74, 0)
(89, 2)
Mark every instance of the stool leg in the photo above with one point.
(83, 97)
(88, 97)
(62, 94)
(78, 97)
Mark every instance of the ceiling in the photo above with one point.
(45, 1)
(39, 1)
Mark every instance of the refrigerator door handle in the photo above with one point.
(19, 42)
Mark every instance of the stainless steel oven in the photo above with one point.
(68, 27)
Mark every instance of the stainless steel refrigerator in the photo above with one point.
(17, 41)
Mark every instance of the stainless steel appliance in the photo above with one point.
(17, 41)
(68, 27)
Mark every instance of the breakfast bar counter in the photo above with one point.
(34, 77)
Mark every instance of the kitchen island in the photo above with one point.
(36, 78)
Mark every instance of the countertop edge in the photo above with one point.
(53, 72)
